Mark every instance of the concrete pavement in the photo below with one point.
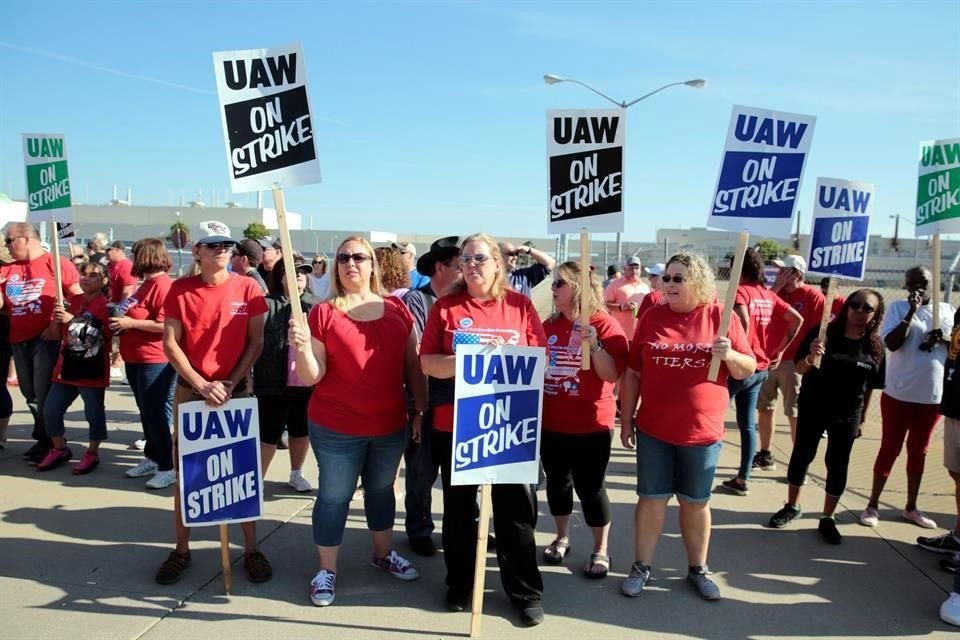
(78, 555)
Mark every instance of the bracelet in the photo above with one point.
(598, 347)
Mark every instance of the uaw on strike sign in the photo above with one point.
(219, 449)
(585, 170)
(841, 228)
(265, 112)
(497, 415)
(48, 184)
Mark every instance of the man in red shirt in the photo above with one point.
(29, 293)
(122, 284)
(213, 333)
(808, 302)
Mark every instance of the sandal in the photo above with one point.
(597, 560)
(172, 568)
(556, 551)
(257, 566)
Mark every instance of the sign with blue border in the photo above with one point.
(497, 415)
(841, 228)
(219, 451)
(763, 162)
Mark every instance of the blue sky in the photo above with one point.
(431, 115)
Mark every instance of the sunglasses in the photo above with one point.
(13, 239)
(217, 246)
(864, 307)
(358, 258)
(511, 254)
(319, 262)
(677, 279)
(479, 258)
(558, 284)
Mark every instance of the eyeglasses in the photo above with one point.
(217, 246)
(319, 262)
(558, 284)
(864, 307)
(479, 258)
(677, 279)
(13, 239)
(358, 258)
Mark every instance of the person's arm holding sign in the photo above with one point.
(437, 365)
(603, 363)
(311, 364)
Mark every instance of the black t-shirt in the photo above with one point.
(836, 390)
(950, 400)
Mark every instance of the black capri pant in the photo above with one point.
(577, 461)
(841, 432)
(287, 409)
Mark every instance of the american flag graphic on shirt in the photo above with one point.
(483, 336)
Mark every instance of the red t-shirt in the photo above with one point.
(121, 275)
(576, 401)
(29, 292)
(136, 345)
(672, 352)
(809, 303)
(462, 318)
(763, 305)
(653, 298)
(215, 319)
(836, 307)
(96, 308)
(361, 393)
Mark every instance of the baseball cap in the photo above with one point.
(633, 261)
(117, 245)
(212, 231)
(792, 262)
(406, 247)
(656, 270)
(252, 250)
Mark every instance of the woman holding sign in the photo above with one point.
(481, 310)
(834, 398)
(363, 348)
(678, 430)
(578, 413)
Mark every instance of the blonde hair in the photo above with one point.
(499, 287)
(699, 275)
(570, 272)
(338, 297)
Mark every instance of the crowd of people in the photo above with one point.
(368, 380)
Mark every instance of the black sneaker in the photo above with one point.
(951, 564)
(423, 546)
(764, 460)
(36, 453)
(828, 530)
(947, 543)
(532, 613)
(457, 599)
(784, 517)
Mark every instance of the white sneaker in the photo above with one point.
(115, 373)
(298, 482)
(162, 480)
(139, 445)
(950, 610)
(870, 517)
(917, 518)
(147, 467)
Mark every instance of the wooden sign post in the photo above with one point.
(586, 295)
(289, 268)
(825, 316)
(480, 570)
(729, 299)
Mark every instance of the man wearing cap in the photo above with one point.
(122, 284)
(524, 279)
(272, 253)
(624, 295)
(808, 302)
(440, 264)
(246, 258)
(29, 293)
(408, 252)
(212, 335)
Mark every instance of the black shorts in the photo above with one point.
(287, 409)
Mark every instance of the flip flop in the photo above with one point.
(597, 560)
(556, 551)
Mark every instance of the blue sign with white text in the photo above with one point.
(500, 428)
(841, 229)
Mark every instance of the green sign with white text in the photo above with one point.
(938, 187)
(48, 184)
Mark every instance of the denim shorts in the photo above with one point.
(664, 469)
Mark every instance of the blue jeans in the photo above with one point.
(745, 393)
(152, 385)
(342, 459)
(34, 360)
(664, 469)
(59, 399)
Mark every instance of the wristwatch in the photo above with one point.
(597, 347)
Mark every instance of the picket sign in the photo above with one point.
(586, 296)
(935, 273)
(57, 276)
(825, 316)
(729, 299)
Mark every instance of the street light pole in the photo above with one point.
(332, 238)
(551, 78)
